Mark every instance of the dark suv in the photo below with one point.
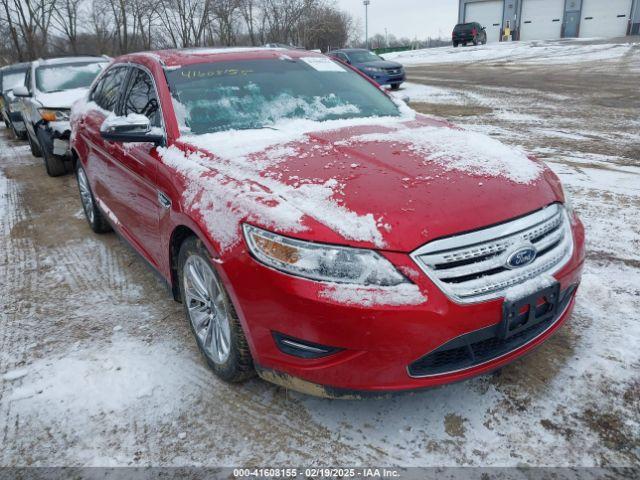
(463, 33)
(378, 69)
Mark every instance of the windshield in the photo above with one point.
(464, 27)
(363, 57)
(11, 80)
(213, 97)
(56, 78)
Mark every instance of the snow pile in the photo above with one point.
(116, 379)
(463, 150)
(131, 119)
(544, 52)
(528, 288)
(83, 105)
(371, 296)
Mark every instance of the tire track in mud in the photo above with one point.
(19, 255)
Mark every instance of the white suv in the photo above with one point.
(51, 87)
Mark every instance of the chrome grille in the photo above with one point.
(473, 267)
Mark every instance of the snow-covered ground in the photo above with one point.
(98, 366)
(558, 52)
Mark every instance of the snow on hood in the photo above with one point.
(462, 150)
(355, 180)
(63, 99)
(238, 189)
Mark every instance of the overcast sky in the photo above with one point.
(406, 18)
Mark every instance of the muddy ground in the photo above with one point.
(98, 366)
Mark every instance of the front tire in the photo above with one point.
(455, 44)
(95, 217)
(53, 164)
(19, 136)
(395, 86)
(34, 146)
(211, 314)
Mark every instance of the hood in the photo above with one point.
(379, 64)
(61, 100)
(391, 187)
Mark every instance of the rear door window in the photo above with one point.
(141, 97)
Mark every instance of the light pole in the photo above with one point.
(366, 22)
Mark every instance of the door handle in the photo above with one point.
(164, 201)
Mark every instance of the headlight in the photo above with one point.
(374, 69)
(54, 115)
(321, 262)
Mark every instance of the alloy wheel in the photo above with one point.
(85, 195)
(207, 308)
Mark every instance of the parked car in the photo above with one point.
(51, 87)
(11, 77)
(465, 33)
(382, 71)
(318, 231)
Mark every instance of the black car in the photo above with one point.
(381, 71)
(11, 77)
(465, 33)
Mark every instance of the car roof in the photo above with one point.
(349, 50)
(66, 60)
(189, 56)
(15, 66)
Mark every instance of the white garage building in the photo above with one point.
(552, 19)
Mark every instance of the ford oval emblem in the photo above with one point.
(522, 257)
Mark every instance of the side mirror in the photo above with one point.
(132, 128)
(406, 99)
(21, 91)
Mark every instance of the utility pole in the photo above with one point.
(366, 22)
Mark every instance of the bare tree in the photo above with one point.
(281, 17)
(324, 27)
(28, 22)
(224, 20)
(66, 14)
(250, 12)
(146, 15)
(185, 21)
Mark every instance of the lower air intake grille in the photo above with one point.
(481, 346)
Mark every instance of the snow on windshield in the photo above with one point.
(56, 78)
(462, 150)
(225, 96)
(12, 80)
(247, 107)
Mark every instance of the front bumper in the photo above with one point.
(375, 346)
(384, 79)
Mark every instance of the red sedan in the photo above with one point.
(319, 232)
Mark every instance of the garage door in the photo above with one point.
(541, 19)
(605, 18)
(488, 14)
